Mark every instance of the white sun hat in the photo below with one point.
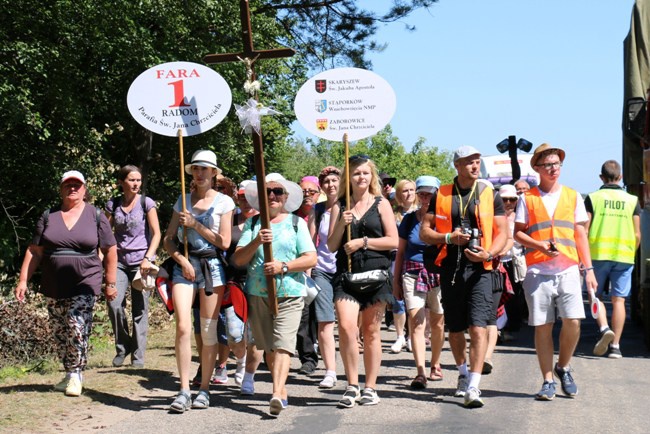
(294, 192)
(204, 158)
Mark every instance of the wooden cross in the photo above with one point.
(249, 56)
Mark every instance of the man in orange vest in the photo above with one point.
(468, 222)
(550, 224)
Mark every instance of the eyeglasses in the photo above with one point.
(510, 199)
(308, 192)
(278, 191)
(550, 166)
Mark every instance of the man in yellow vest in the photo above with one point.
(550, 224)
(469, 223)
(614, 235)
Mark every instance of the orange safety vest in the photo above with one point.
(484, 216)
(560, 229)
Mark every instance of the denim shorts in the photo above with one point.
(324, 302)
(617, 274)
(216, 269)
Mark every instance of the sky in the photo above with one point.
(474, 72)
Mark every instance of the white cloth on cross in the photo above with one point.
(249, 115)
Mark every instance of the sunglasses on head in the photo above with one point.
(359, 157)
(278, 191)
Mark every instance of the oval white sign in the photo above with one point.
(176, 96)
(345, 100)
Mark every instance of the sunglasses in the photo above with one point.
(550, 166)
(310, 192)
(509, 199)
(278, 191)
(359, 157)
(220, 188)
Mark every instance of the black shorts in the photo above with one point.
(469, 301)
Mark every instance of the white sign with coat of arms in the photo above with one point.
(176, 96)
(345, 100)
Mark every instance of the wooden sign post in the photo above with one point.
(249, 56)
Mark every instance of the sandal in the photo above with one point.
(202, 400)
(419, 382)
(436, 373)
(182, 402)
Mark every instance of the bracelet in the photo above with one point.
(365, 243)
(110, 285)
(587, 269)
(448, 238)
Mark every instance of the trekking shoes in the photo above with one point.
(461, 389)
(614, 353)
(350, 397)
(547, 392)
(473, 398)
(220, 375)
(369, 397)
(606, 338)
(181, 403)
(569, 386)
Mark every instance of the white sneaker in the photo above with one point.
(473, 398)
(239, 371)
(74, 387)
(399, 344)
(409, 347)
(328, 382)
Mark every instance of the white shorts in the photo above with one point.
(416, 299)
(544, 293)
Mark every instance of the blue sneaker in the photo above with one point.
(547, 393)
(569, 386)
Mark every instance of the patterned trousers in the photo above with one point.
(71, 320)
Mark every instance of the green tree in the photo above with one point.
(309, 157)
(66, 67)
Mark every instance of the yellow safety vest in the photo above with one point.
(611, 233)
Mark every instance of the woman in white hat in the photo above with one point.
(293, 253)
(65, 245)
(137, 232)
(207, 223)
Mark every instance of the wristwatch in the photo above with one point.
(489, 258)
(285, 268)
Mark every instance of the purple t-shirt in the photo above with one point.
(130, 230)
(65, 276)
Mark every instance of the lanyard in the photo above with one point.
(462, 210)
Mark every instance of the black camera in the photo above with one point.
(474, 236)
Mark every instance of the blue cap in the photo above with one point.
(427, 184)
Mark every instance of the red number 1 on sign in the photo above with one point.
(179, 94)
